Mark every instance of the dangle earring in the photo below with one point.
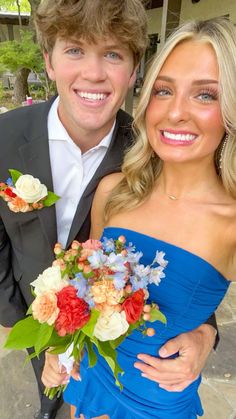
(221, 151)
(153, 154)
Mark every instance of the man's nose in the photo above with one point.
(93, 69)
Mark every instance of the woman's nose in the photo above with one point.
(179, 109)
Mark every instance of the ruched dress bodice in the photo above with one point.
(190, 292)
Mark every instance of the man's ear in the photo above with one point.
(48, 65)
(133, 77)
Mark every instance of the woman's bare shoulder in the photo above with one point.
(108, 183)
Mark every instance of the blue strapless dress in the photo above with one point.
(188, 295)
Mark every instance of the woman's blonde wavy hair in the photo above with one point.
(141, 168)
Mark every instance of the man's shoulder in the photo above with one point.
(23, 114)
(124, 119)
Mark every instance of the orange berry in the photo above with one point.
(147, 308)
(75, 245)
(122, 239)
(150, 332)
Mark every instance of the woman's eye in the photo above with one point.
(161, 92)
(207, 96)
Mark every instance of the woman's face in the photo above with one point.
(183, 118)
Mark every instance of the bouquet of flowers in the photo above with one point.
(93, 295)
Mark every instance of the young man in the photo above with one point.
(91, 50)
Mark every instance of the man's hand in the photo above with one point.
(176, 374)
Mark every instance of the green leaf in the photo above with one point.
(89, 327)
(78, 347)
(92, 356)
(43, 337)
(24, 334)
(15, 174)
(157, 315)
(110, 356)
(59, 349)
(116, 342)
(56, 340)
(29, 311)
(50, 199)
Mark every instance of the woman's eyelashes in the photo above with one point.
(204, 95)
(162, 91)
(207, 95)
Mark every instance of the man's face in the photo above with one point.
(92, 81)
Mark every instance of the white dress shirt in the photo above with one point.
(71, 170)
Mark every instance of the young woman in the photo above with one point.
(176, 193)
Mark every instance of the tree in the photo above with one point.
(21, 57)
(24, 56)
(15, 6)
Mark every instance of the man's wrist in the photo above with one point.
(209, 334)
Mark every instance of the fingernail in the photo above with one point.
(140, 356)
(163, 352)
(144, 375)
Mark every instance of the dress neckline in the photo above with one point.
(171, 245)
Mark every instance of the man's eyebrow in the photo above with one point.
(195, 82)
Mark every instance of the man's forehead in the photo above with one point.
(106, 42)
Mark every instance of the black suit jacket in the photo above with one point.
(27, 239)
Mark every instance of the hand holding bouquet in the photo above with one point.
(94, 294)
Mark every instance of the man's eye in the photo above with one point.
(74, 51)
(113, 55)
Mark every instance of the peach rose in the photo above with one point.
(44, 308)
(105, 292)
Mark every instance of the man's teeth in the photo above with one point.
(92, 96)
(179, 137)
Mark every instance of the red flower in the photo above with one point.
(9, 192)
(74, 311)
(133, 306)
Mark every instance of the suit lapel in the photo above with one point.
(111, 163)
(36, 161)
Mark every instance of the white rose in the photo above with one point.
(30, 189)
(48, 280)
(111, 326)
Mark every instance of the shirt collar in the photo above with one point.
(57, 131)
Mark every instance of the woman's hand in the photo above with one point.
(53, 374)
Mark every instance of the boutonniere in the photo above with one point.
(24, 193)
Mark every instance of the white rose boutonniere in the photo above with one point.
(24, 193)
(30, 189)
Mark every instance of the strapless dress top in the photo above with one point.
(190, 292)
